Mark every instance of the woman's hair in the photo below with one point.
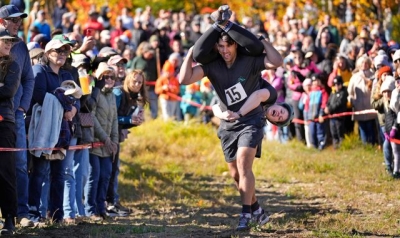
(143, 92)
(143, 45)
(5, 63)
(361, 60)
(330, 53)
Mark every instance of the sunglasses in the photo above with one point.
(62, 51)
(397, 61)
(120, 65)
(14, 19)
(108, 77)
(8, 41)
(398, 81)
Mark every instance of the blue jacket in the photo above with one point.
(315, 106)
(23, 96)
(7, 92)
(47, 81)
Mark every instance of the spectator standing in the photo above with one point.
(42, 25)
(126, 18)
(337, 103)
(359, 90)
(304, 106)
(167, 87)
(59, 10)
(105, 130)
(9, 84)
(48, 77)
(378, 102)
(146, 61)
(189, 111)
(11, 19)
(130, 100)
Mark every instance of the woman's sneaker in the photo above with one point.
(221, 15)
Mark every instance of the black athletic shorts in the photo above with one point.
(249, 134)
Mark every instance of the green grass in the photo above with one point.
(176, 180)
(176, 163)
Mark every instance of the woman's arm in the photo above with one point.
(11, 82)
(254, 101)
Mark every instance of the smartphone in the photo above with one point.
(89, 32)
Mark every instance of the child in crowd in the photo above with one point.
(337, 103)
(188, 109)
(208, 98)
(303, 106)
(316, 104)
(391, 123)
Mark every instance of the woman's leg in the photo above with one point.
(203, 51)
(92, 186)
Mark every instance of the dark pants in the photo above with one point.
(37, 177)
(203, 51)
(337, 130)
(317, 134)
(299, 128)
(112, 191)
(8, 179)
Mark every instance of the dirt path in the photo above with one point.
(167, 219)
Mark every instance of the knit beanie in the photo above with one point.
(388, 84)
(384, 69)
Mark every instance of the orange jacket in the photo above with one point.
(173, 87)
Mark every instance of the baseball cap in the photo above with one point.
(396, 55)
(4, 34)
(116, 59)
(79, 59)
(103, 67)
(35, 52)
(11, 11)
(148, 48)
(32, 45)
(338, 80)
(55, 44)
(107, 51)
(64, 39)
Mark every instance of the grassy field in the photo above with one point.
(176, 180)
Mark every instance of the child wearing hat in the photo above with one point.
(337, 103)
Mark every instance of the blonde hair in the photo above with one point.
(142, 91)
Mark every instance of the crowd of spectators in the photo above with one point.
(105, 73)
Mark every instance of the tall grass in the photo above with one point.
(331, 193)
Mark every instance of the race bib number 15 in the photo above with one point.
(235, 94)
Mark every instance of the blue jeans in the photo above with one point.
(283, 134)
(317, 134)
(366, 129)
(45, 197)
(21, 165)
(153, 101)
(38, 175)
(69, 182)
(387, 150)
(99, 177)
(81, 170)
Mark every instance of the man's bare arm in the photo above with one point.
(189, 74)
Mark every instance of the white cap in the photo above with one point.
(396, 55)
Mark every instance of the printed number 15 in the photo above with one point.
(233, 94)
